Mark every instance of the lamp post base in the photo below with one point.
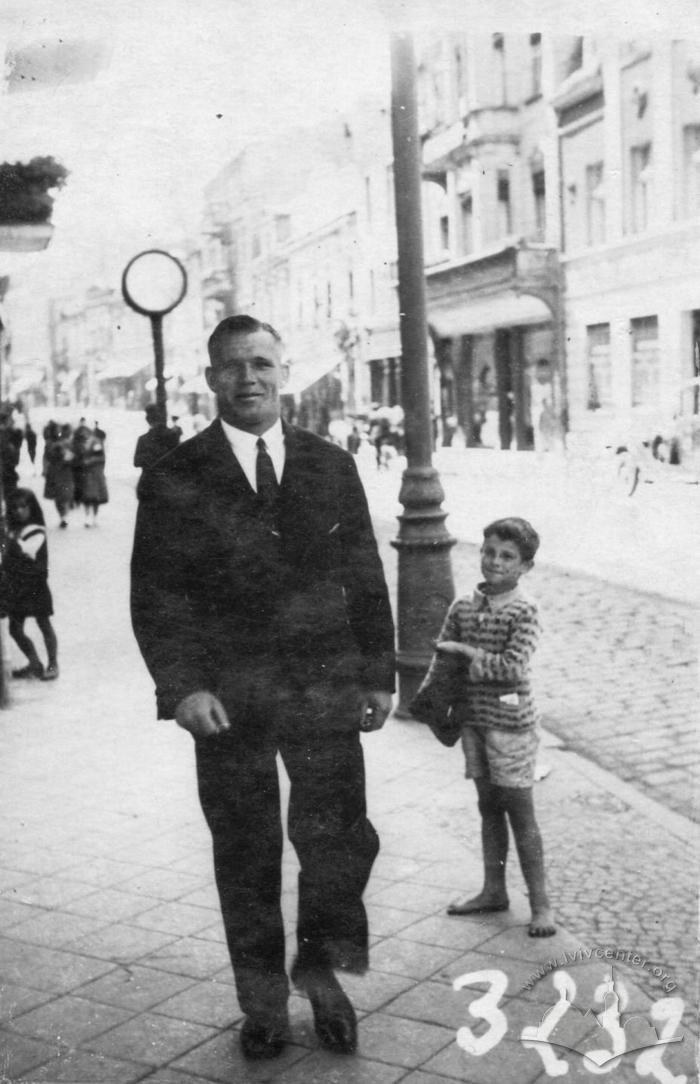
(425, 584)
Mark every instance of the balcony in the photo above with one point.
(25, 237)
(217, 283)
(443, 148)
(492, 125)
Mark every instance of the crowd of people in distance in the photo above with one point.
(74, 469)
(74, 474)
(383, 430)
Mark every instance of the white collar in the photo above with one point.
(496, 602)
(273, 437)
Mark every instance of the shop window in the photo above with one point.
(535, 65)
(467, 221)
(499, 69)
(575, 58)
(461, 80)
(283, 228)
(504, 205)
(445, 233)
(645, 360)
(691, 169)
(595, 204)
(641, 179)
(538, 193)
(599, 366)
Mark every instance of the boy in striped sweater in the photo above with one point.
(493, 634)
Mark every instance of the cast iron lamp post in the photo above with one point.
(425, 584)
(153, 284)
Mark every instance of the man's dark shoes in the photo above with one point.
(261, 1039)
(33, 670)
(335, 1022)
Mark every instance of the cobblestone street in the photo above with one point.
(112, 958)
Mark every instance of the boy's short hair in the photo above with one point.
(519, 532)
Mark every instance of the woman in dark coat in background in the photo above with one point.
(58, 459)
(93, 487)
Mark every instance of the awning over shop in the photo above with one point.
(464, 316)
(196, 385)
(24, 383)
(382, 342)
(513, 285)
(122, 370)
(303, 374)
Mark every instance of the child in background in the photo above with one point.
(26, 587)
(493, 635)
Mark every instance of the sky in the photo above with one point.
(178, 87)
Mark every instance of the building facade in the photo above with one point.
(492, 229)
(629, 137)
(561, 212)
(309, 248)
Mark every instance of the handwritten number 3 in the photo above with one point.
(484, 1008)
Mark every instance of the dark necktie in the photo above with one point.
(266, 479)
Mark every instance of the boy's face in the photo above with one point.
(501, 564)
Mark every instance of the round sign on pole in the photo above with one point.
(154, 282)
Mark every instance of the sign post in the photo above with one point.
(153, 284)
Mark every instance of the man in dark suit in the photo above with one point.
(260, 607)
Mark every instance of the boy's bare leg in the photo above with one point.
(494, 845)
(521, 813)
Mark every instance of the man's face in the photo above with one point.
(246, 375)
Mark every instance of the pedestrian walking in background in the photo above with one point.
(260, 606)
(25, 586)
(153, 445)
(30, 438)
(482, 666)
(81, 435)
(59, 486)
(11, 439)
(93, 487)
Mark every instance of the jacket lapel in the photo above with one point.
(224, 472)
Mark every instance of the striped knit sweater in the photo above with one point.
(494, 690)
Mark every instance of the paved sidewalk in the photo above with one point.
(112, 960)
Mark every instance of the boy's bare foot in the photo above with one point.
(485, 901)
(542, 923)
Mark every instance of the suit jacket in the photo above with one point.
(215, 591)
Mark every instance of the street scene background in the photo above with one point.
(560, 198)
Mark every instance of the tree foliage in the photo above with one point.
(25, 189)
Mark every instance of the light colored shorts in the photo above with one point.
(501, 756)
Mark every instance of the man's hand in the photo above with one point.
(376, 705)
(202, 714)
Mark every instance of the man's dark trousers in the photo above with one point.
(327, 824)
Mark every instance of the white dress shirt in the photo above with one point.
(245, 448)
